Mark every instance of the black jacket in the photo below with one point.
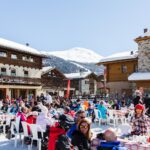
(79, 140)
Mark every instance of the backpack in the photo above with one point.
(66, 121)
(64, 143)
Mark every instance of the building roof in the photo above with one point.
(78, 75)
(19, 47)
(138, 76)
(50, 68)
(120, 56)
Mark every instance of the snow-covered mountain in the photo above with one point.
(77, 54)
(74, 60)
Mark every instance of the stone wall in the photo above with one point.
(119, 87)
(144, 56)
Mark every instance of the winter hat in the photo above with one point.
(139, 106)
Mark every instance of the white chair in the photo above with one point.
(15, 129)
(131, 113)
(111, 119)
(98, 116)
(34, 131)
(25, 132)
(8, 120)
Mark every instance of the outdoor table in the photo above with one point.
(136, 143)
(96, 131)
(137, 146)
(119, 112)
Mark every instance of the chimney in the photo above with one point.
(145, 30)
(27, 44)
(131, 53)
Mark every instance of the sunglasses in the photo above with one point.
(85, 127)
(82, 117)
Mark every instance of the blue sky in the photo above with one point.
(105, 26)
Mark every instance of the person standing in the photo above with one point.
(139, 121)
(147, 104)
(48, 98)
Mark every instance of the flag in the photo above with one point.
(105, 73)
(68, 89)
(105, 77)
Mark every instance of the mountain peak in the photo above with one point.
(78, 54)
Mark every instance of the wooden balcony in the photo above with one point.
(14, 80)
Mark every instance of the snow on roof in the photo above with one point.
(139, 76)
(120, 56)
(77, 75)
(46, 69)
(19, 47)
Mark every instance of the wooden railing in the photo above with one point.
(5, 79)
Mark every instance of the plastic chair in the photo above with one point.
(25, 132)
(8, 120)
(34, 131)
(98, 116)
(131, 113)
(111, 119)
(15, 129)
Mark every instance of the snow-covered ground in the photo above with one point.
(6, 144)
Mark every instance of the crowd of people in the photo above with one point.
(72, 117)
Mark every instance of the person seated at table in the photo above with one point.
(21, 104)
(86, 104)
(102, 109)
(131, 106)
(111, 142)
(36, 107)
(81, 138)
(111, 102)
(75, 106)
(57, 103)
(23, 117)
(4, 107)
(78, 117)
(14, 108)
(115, 105)
(43, 120)
(139, 121)
(42, 107)
(68, 111)
(90, 110)
(23, 114)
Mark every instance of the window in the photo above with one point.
(124, 69)
(28, 58)
(13, 72)
(31, 59)
(3, 71)
(25, 73)
(87, 82)
(135, 68)
(3, 54)
(51, 74)
(23, 58)
(13, 56)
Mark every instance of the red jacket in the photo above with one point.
(53, 136)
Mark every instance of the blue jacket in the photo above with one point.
(112, 145)
(71, 130)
